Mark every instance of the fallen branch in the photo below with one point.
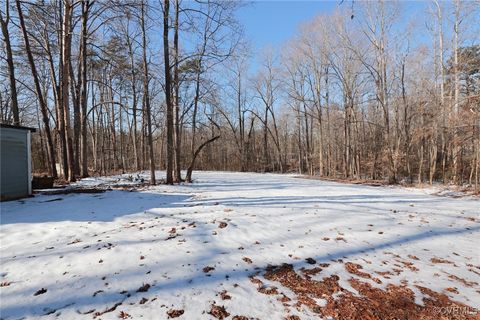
(188, 178)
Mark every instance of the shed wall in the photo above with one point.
(14, 162)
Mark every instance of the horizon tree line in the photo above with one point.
(123, 86)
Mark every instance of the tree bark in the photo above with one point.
(177, 176)
(188, 177)
(11, 68)
(168, 92)
(146, 98)
(83, 95)
(38, 90)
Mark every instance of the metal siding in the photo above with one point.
(14, 163)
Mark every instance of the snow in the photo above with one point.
(92, 251)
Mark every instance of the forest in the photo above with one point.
(239, 160)
(362, 93)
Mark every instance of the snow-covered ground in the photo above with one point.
(154, 252)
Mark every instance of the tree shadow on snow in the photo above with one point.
(82, 301)
(104, 207)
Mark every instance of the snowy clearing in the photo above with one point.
(238, 246)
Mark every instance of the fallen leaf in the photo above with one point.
(144, 288)
(207, 269)
(173, 313)
(224, 295)
(218, 312)
(247, 260)
(222, 225)
(124, 315)
(41, 291)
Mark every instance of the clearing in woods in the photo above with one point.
(240, 246)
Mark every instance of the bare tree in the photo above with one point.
(38, 90)
(146, 95)
(4, 21)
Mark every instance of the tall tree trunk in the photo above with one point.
(38, 90)
(442, 88)
(83, 96)
(456, 143)
(11, 68)
(194, 118)
(66, 60)
(168, 92)
(133, 80)
(241, 123)
(266, 158)
(177, 177)
(146, 98)
(75, 93)
(60, 128)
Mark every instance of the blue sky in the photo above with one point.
(272, 22)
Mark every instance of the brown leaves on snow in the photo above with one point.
(218, 312)
(172, 234)
(222, 225)
(224, 295)
(247, 260)
(74, 241)
(355, 268)
(440, 260)
(111, 309)
(124, 315)
(144, 288)
(174, 313)
(207, 269)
